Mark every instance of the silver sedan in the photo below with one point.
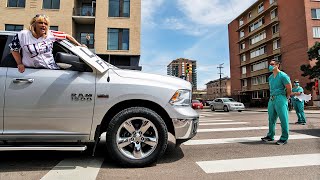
(226, 104)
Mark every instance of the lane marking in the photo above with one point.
(259, 163)
(76, 169)
(241, 140)
(232, 129)
(225, 123)
(216, 121)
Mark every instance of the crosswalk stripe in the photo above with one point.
(224, 123)
(215, 120)
(273, 162)
(75, 169)
(232, 129)
(241, 140)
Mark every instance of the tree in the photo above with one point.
(312, 72)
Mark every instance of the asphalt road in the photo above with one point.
(227, 146)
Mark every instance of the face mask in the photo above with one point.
(296, 84)
(271, 68)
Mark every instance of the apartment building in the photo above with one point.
(216, 90)
(271, 29)
(113, 26)
(184, 69)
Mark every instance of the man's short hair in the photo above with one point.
(276, 60)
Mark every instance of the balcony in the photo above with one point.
(259, 87)
(84, 15)
(260, 29)
(260, 72)
(261, 14)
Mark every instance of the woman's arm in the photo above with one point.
(17, 57)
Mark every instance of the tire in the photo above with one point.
(127, 127)
(212, 108)
(239, 110)
(225, 109)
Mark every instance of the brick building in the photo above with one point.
(271, 29)
(113, 25)
(213, 88)
(184, 69)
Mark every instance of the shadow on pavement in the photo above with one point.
(311, 132)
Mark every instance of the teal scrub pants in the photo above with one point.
(278, 107)
(299, 107)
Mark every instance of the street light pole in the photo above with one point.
(220, 68)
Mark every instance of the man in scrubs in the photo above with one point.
(298, 105)
(280, 91)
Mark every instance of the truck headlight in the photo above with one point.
(181, 97)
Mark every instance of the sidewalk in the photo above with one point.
(307, 111)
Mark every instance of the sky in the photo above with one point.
(191, 29)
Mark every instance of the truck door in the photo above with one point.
(44, 103)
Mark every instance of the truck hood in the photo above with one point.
(180, 83)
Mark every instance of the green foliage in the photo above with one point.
(312, 72)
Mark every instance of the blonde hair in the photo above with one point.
(37, 18)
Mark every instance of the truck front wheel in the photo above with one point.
(136, 137)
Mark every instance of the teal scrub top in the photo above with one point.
(297, 89)
(278, 84)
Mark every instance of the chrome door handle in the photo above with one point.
(18, 80)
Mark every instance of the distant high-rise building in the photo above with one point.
(185, 69)
(271, 29)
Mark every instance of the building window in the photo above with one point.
(119, 8)
(276, 44)
(51, 4)
(274, 13)
(118, 39)
(272, 1)
(241, 22)
(259, 80)
(242, 46)
(259, 66)
(260, 8)
(244, 83)
(243, 57)
(55, 28)
(16, 3)
(315, 13)
(258, 52)
(244, 70)
(241, 33)
(13, 27)
(278, 58)
(275, 28)
(316, 32)
(259, 37)
(249, 15)
(90, 42)
(256, 25)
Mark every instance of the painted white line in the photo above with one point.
(215, 121)
(75, 169)
(232, 129)
(260, 163)
(225, 123)
(240, 140)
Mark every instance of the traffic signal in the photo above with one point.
(188, 68)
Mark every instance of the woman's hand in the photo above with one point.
(21, 68)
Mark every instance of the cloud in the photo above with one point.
(179, 24)
(148, 11)
(213, 12)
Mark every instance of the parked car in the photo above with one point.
(196, 104)
(226, 104)
(66, 109)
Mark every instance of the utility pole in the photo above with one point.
(220, 68)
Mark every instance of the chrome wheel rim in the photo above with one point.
(137, 138)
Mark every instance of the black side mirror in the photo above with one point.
(71, 60)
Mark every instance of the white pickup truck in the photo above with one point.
(43, 109)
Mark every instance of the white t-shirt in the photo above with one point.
(36, 52)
